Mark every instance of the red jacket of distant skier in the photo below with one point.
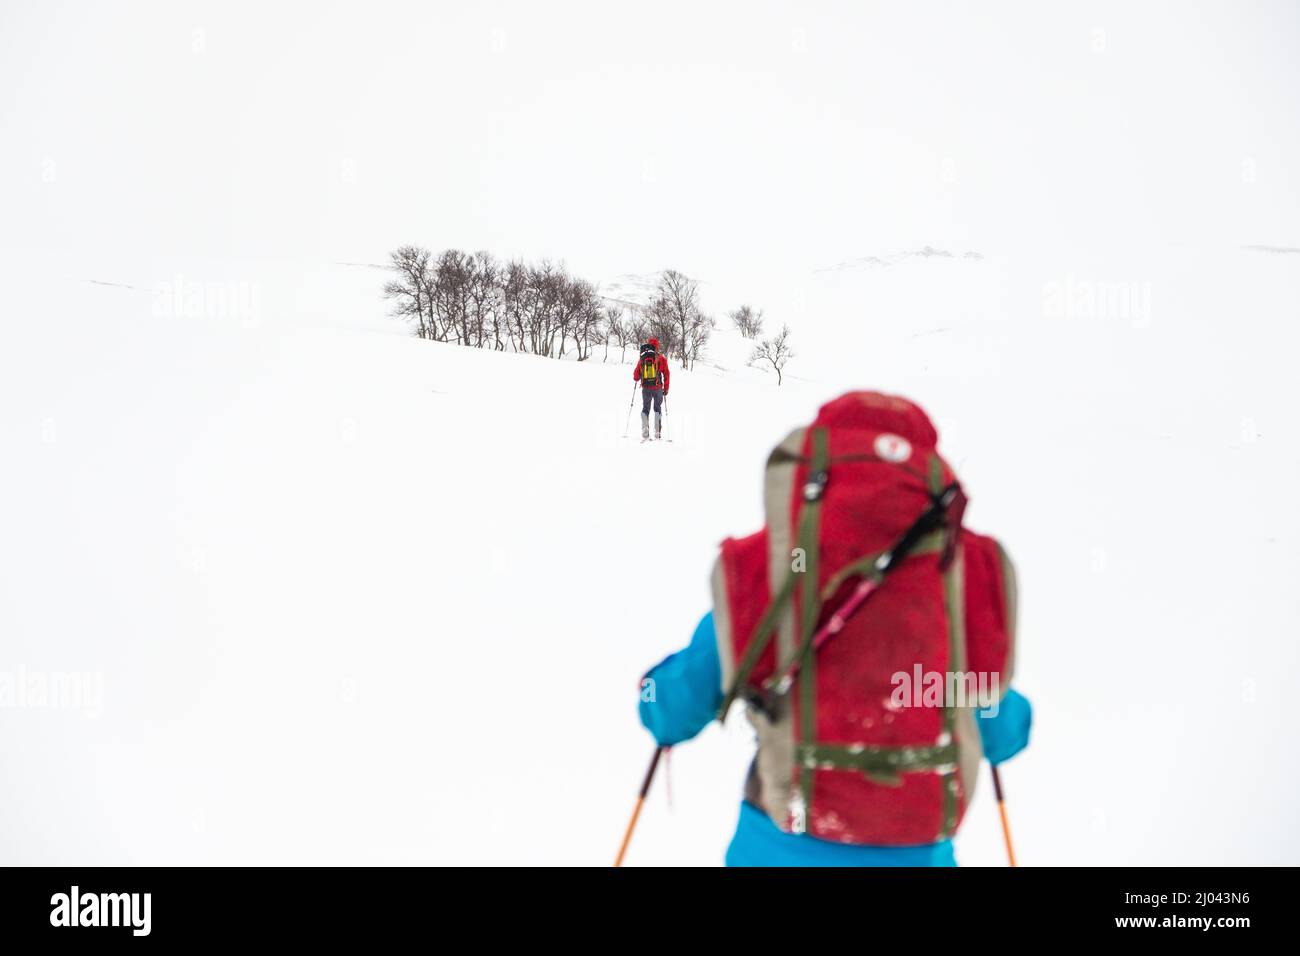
(663, 375)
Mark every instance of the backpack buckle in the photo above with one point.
(761, 701)
(815, 486)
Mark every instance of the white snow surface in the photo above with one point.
(359, 598)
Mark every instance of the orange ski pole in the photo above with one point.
(1002, 811)
(640, 800)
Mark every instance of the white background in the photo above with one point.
(354, 597)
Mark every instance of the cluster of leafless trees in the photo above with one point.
(748, 321)
(773, 352)
(473, 299)
(477, 300)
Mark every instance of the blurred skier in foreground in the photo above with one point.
(652, 372)
(872, 640)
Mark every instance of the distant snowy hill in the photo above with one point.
(631, 290)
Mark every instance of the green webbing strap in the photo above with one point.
(758, 643)
(935, 477)
(809, 528)
(807, 540)
(956, 628)
(882, 765)
(865, 566)
(809, 537)
(949, 782)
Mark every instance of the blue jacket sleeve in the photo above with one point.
(683, 692)
(1007, 733)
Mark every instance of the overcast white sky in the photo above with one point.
(744, 143)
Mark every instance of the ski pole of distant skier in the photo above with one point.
(1002, 811)
(628, 427)
(640, 801)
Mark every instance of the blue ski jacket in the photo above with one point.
(687, 694)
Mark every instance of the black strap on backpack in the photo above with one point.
(945, 511)
(650, 360)
(931, 520)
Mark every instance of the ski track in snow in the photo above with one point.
(1276, 250)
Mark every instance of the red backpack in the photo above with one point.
(832, 620)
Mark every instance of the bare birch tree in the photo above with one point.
(408, 290)
(774, 351)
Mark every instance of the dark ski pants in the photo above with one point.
(651, 396)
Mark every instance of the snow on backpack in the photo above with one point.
(649, 365)
(861, 583)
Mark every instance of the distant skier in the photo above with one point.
(848, 626)
(652, 372)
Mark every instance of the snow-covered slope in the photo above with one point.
(360, 598)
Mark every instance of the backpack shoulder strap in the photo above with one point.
(809, 526)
